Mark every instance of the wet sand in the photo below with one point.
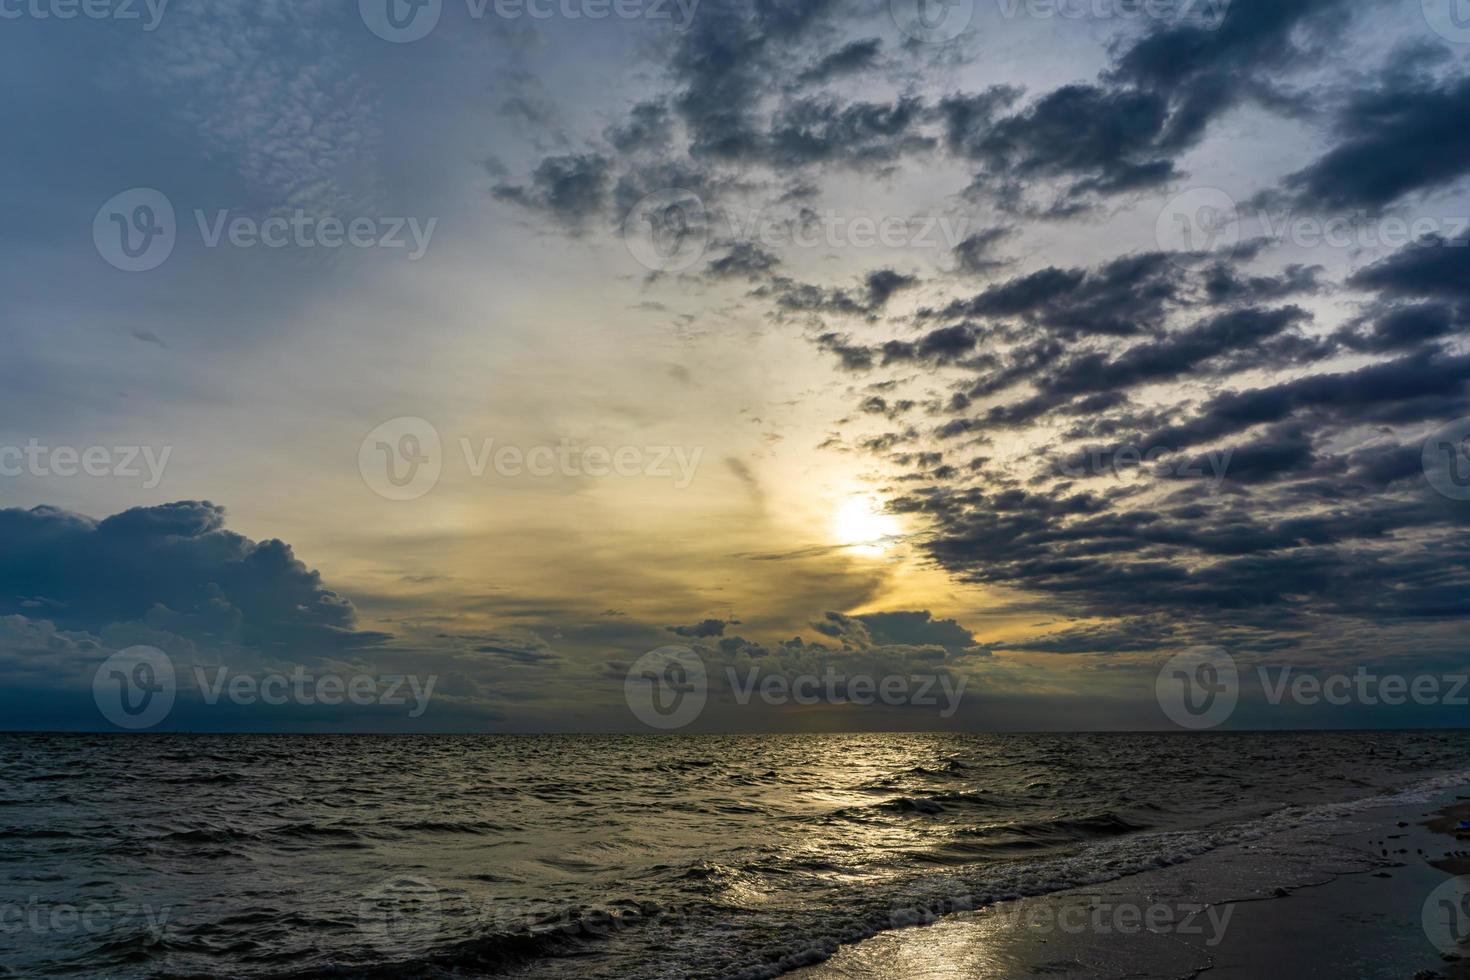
(1345, 898)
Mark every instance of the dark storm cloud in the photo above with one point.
(1422, 386)
(1404, 328)
(176, 568)
(742, 260)
(1108, 139)
(1123, 297)
(852, 57)
(1125, 132)
(877, 288)
(1241, 333)
(937, 347)
(811, 131)
(724, 63)
(975, 253)
(704, 628)
(573, 188)
(1404, 138)
(649, 127)
(1225, 284)
(1431, 267)
(883, 283)
(916, 628)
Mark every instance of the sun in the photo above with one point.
(860, 524)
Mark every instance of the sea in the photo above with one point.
(640, 856)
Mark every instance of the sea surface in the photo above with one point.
(606, 856)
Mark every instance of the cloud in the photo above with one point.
(705, 628)
(974, 253)
(173, 568)
(1396, 140)
(1431, 267)
(855, 56)
(572, 188)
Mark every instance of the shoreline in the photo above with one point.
(1344, 896)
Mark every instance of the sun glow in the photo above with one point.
(860, 524)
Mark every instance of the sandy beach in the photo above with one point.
(1362, 896)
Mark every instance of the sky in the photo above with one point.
(1013, 347)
